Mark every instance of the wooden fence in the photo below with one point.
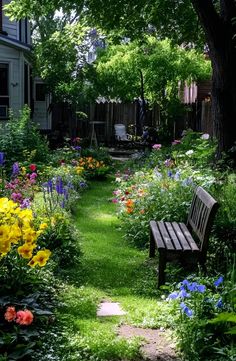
(105, 115)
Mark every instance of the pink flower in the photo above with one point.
(156, 146)
(114, 200)
(24, 318)
(176, 141)
(33, 175)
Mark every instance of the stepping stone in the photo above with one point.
(110, 309)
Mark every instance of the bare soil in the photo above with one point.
(157, 344)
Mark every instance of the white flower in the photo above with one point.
(205, 136)
(189, 152)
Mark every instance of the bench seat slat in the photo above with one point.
(180, 235)
(157, 235)
(165, 235)
(189, 237)
(173, 236)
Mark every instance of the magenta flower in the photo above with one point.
(156, 146)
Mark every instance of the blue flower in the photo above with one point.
(183, 294)
(218, 281)
(169, 173)
(2, 160)
(219, 303)
(177, 175)
(173, 295)
(186, 309)
(82, 184)
(201, 288)
(15, 169)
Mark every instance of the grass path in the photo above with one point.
(110, 269)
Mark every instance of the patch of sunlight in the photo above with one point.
(105, 217)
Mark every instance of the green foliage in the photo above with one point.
(20, 139)
(163, 65)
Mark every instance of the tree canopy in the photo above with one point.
(117, 70)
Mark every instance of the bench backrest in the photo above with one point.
(201, 216)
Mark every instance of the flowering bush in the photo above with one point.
(197, 305)
(91, 167)
(17, 232)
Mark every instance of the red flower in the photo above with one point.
(33, 167)
(24, 318)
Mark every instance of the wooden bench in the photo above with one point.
(175, 240)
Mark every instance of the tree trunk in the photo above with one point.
(219, 33)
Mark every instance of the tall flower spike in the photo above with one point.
(2, 159)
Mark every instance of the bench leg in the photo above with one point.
(152, 245)
(162, 267)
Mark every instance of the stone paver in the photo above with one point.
(110, 309)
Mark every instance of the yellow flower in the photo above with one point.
(40, 258)
(4, 232)
(43, 226)
(5, 247)
(26, 215)
(15, 233)
(26, 251)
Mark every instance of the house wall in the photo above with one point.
(15, 60)
(11, 27)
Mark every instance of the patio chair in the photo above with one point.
(121, 136)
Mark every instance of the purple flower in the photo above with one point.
(186, 310)
(15, 169)
(82, 184)
(169, 173)
(2, 159)
(66, 193)
(218, 281)
(25, 203)
(59, 185)
(77, 147)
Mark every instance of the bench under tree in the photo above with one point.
(187, 242)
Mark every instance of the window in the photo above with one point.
(40, 91)
(23, 30)
(4, 91)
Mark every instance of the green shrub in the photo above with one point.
(20, 140)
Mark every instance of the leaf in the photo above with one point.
(224, 317)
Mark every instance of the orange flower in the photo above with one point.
(142, 211)
(129, 210)
(24, 317)
(10, 314)
(129, 203)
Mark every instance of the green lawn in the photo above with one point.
(110, 269)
